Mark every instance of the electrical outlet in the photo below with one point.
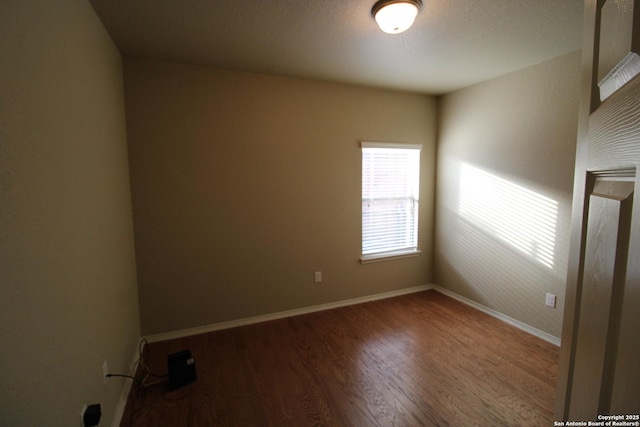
(551, 300)
(105, 372)
(318, 276)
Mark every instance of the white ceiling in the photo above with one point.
(453, 43)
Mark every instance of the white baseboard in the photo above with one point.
(283, 314)
(126, 388)
(513, 322)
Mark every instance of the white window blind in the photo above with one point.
(390, 189)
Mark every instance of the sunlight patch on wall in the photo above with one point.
(524, 219)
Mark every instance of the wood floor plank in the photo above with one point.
(419, 359)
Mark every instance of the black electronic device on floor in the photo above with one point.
(182, 369)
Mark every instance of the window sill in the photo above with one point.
(389, 256)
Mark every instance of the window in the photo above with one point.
(390, 189)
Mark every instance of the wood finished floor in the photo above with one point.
(417, 360)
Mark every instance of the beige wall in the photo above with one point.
(67, 268)
(244, 185)
(505, 175)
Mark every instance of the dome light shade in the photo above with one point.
(395, 16)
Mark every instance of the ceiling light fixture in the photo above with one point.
(395, 16)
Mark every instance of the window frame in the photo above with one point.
(391, 254)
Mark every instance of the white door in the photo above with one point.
(600, 357)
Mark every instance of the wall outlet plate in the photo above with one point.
(105, 371)
(551, 300)
(317, 276)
